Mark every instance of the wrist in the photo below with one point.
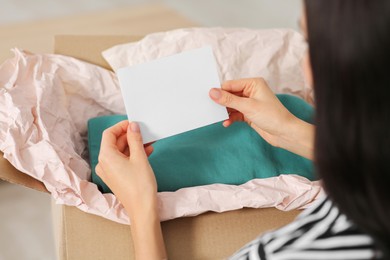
(298, 138)
(146, 231)
(145, 209)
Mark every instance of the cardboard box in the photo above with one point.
(80, 235)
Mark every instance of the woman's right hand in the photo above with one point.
(252, 101)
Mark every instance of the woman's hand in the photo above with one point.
(124, 167)
(252, 101)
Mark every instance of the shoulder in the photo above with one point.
(320, 232)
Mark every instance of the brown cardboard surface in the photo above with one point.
(207, 236)
(12, 175)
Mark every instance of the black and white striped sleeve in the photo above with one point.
(320, 232)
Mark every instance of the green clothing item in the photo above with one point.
(212, 154)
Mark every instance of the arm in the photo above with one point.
(146, 233)
(252, 101)
(124, 167)
(300, 139)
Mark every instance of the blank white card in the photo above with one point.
(170, 95)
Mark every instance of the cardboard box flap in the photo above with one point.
(12, 175)
(208, 236)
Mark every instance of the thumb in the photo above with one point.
(230, 100)
(134, 138)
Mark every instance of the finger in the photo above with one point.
(231, 110)
(149, 150)
(224, 98)
(126, 152)
(99, 170)
(134, 138)
(227, 123)
(240, 94)
(236, 116)
(245, 86)
(111, 134)
(121, 143)
(233, 117)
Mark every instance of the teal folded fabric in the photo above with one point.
(212, 154)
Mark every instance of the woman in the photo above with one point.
(349, 49)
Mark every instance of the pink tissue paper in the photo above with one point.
(46, 101)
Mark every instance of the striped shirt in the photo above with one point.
(320, 232)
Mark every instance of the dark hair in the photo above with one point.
(350, 57)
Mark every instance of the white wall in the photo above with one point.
(231, 13)
(240, 13)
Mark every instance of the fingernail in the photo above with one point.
(215, 93)
(134, 127)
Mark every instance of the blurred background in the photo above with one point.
(26, 225)
(248, 13)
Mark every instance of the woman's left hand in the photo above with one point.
(124, 167)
